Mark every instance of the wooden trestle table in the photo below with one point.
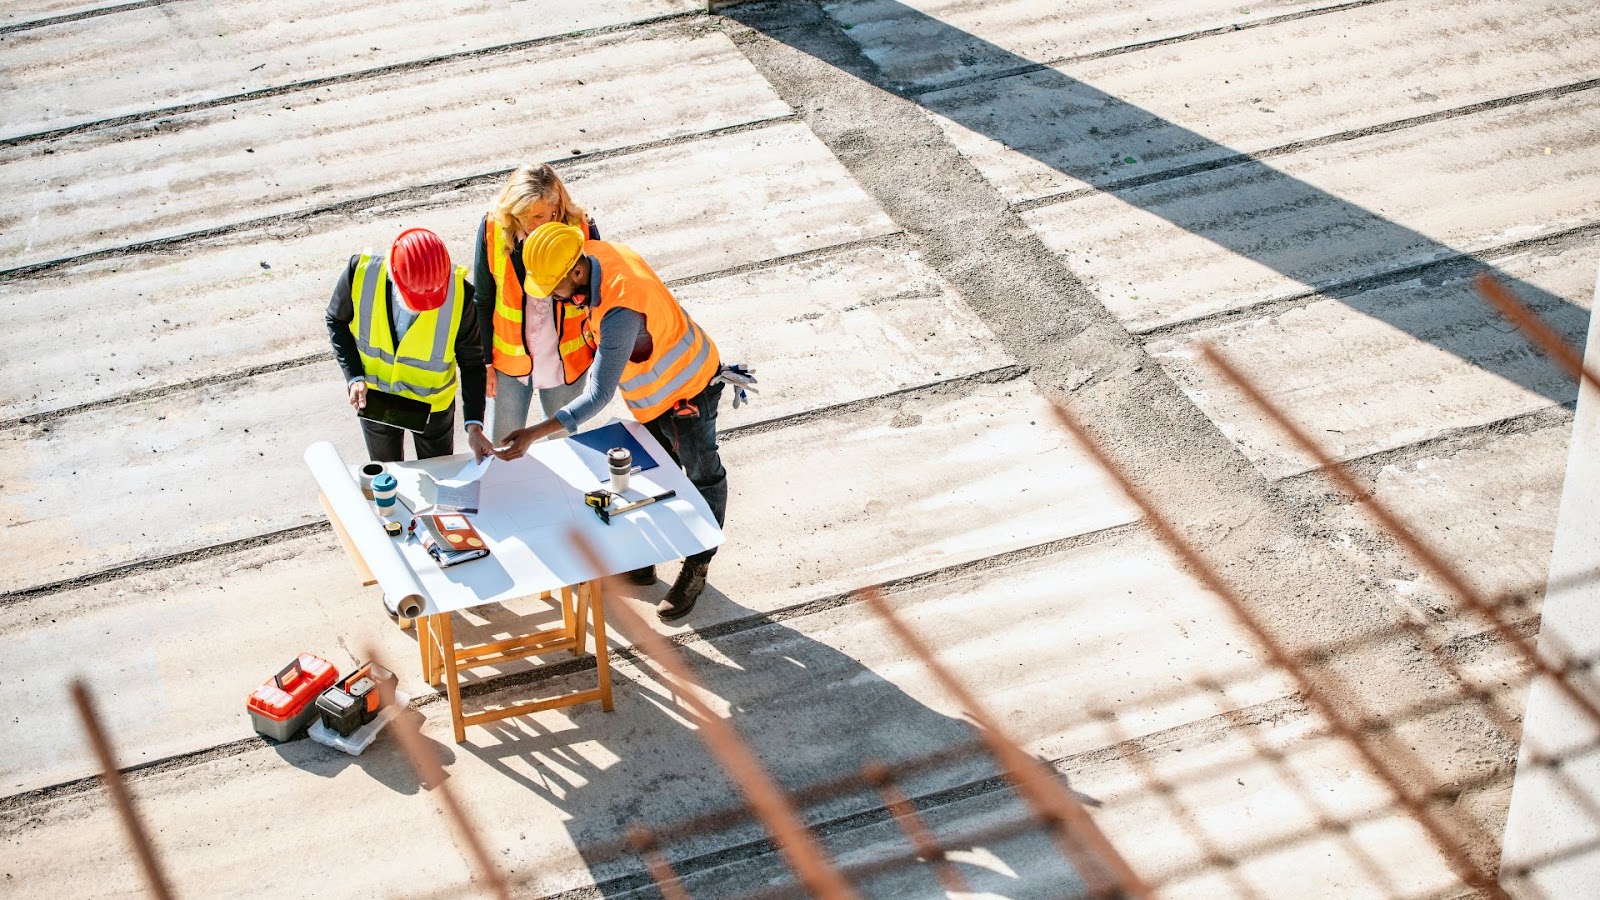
(528, 509)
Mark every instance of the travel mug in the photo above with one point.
(384, 488)
(620, 462)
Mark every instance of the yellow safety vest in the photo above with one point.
(423, 367)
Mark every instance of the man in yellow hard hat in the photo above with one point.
(665, 365)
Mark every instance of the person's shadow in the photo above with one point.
(813, 715)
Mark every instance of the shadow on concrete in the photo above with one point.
(383, 761)
(1321, 238)
(810, 713)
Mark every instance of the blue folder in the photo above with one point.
(592, 447)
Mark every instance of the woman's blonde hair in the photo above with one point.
(528, 185)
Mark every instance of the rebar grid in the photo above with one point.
(905, 814)
(1562, 671)
(1444, 839)
(1414, 544)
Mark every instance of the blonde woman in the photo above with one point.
(531, 342)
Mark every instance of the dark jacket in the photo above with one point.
(470, 369)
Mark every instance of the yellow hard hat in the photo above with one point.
(548, 255)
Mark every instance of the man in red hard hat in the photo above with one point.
(403, 323)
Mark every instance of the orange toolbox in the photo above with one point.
(286, 702)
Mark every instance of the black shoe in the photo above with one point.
(685, 591)
(644, 576)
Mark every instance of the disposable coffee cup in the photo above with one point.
(620, 462)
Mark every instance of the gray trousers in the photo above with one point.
(508, 409)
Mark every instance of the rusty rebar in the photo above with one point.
(1443, 839)
(643, 841)
(1102, 868)
(863, 871)
(1138, 757)
(1307, 796)
(431, 773)
(149, 862)
(795, 842)
(1538, 331)
(1413, 543)
(916, 830)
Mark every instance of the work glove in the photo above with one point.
(740, 377)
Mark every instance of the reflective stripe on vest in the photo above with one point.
(510, 352)
(423, 367)
(683, 359)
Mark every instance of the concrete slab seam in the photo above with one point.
(1274, 711)
(1463, 262)
(346, 78)
(163, 390)
(625, 658)
(156, 564)
(1339, 137)
(889, 240)
(1124, 49)
(988, 376)
(1452, 442)
(894, 240)
(360, 204)
(83, 14)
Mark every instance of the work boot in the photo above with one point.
(644, 576)
(684, 592)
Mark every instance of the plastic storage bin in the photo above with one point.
(362, 738)
(340, 711)
(283, 705)
(367, 684)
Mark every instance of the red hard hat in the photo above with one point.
(419, 263)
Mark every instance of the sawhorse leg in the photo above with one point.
(602, 653)
(581, 607)
(447, 635)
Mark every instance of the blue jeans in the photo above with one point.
(508, 409)
(693, 445)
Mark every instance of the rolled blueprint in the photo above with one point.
(402, 592)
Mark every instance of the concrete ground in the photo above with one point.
(923, 221)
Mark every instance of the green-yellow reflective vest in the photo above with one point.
(423, 367)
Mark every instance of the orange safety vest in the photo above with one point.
(509, 350)
(682, 359)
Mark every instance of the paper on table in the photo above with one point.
(469, 473)
(458, 492)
